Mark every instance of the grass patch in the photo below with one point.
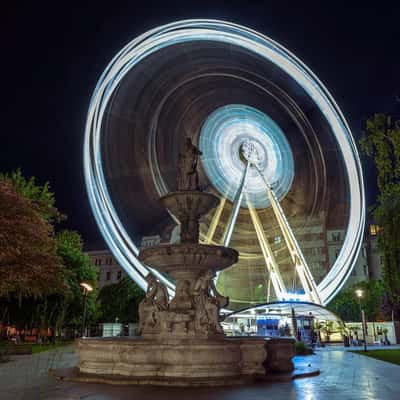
(38, 348)
(390, 355)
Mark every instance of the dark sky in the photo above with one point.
(52, 56)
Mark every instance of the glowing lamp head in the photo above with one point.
(359, 293)
(86, 286)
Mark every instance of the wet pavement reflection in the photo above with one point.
(344, 375)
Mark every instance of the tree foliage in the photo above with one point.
(120, 300)
(41, 196)
(40, 273)
(347, 305)
(29, 265)
(78, 269)
(381, 142)
(64, 307)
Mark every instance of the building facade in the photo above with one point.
(108, 267)
(369, 262)
(321, 248)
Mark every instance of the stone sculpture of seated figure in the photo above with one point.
(156, 300)
(208, 302)
(180, 312)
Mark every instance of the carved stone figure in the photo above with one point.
(183, 299)
(188, 177)
(189, 230)
(189, 220)
(156, 300)
(208, 303)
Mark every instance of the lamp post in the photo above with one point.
(359, 294)
(86, 289)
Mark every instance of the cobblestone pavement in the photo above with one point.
(343, 376)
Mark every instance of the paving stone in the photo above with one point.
(343, 376)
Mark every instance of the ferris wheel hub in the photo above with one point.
(252, 152)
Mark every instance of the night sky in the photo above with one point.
(52, 56)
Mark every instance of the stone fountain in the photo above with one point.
(182, 342)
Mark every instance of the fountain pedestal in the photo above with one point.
(182, 341)
(193, 312)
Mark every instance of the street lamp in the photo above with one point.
(359, 294)
(86, 289)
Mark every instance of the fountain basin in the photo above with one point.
(179, 260)
(191, 362)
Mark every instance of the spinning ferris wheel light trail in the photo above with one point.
(235, 89)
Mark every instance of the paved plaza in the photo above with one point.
(344, 375)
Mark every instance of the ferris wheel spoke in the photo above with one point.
(272, 266)
(302, 269)
(236, 207)
(269, 289)
(215, 221)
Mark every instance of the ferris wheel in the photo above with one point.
(275, 148)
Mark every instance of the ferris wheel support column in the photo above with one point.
(302, 269)
(274, 274)
(215, 221)
(236, 207)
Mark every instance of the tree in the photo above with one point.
(41, 196)
(346, 305)
(64, 307)
(40, 273)
(78, 269)
(381, 142)
(120, 300)
(29, 265)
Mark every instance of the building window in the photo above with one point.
(336, 236)
(337, 253)
(316, 251)
(354, 272)
(108, 276)
(373, 230)
(365, 270)
(364, 252)
(99, 262)
(119, 275)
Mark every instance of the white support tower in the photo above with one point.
(302, 269)
(236, 207)
(272, 266)
(251, 159)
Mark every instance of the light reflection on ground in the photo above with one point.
(343, 376)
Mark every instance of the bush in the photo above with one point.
(302, 349)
